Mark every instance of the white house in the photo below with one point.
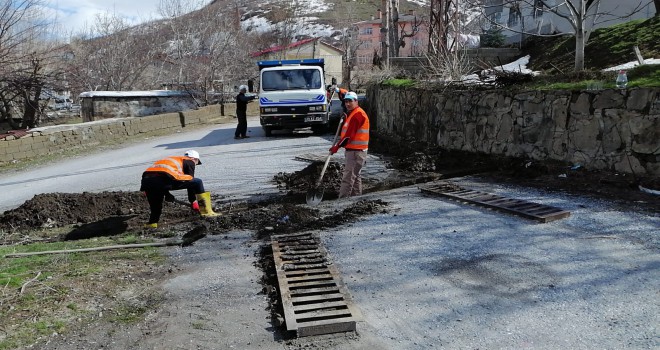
(532, 17)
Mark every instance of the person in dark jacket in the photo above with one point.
(241, 112)
(174, 173)
(341, 94)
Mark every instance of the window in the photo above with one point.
(366, 31)
(365, 45)
(538, 8)
(294, 79)
(514, 17)
(364, 59)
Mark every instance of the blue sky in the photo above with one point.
(74, 15)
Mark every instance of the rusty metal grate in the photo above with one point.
(314, 298)
(530, 210)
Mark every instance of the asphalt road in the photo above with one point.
(428, 274)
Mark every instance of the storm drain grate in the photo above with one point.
(313, 295)
(535, 211)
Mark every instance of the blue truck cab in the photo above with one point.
(292, 95)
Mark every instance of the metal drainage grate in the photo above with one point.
(539, 212)
(314, 297)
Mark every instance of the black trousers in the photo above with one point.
(157, 187)
(241, 128)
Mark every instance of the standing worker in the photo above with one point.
(174, 173)
(241, 112)
(355, 139)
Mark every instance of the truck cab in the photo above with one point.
(292, 95)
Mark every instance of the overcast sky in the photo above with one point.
(74, 15)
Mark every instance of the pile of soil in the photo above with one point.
(299, 182)
(113, 213)
(88, 215)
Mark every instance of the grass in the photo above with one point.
(399, 82)
(46, 294)
(555, 58)
(639, 76)
(606, 47)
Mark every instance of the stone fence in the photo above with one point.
(618, 130)
(48, 140)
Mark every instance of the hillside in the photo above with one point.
(313, 18)
(606, 47)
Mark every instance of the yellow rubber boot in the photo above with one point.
(151, 226)
(205, 206)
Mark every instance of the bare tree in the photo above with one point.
(26, 61)
(345, 16)
(110, 55)
(581, 15)
(226, 49)
(287, 16)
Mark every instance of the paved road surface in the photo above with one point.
(430, 274)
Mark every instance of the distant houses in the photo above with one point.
(307, 48)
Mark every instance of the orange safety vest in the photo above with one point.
(172, 166)
(361, 139)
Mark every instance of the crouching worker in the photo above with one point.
(174, 173)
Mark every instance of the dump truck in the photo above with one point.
(292, 95)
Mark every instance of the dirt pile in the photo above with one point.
(87, 215)
(60, 209)
(300, 182)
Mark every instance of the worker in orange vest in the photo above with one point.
(175, 173)
(355, 139)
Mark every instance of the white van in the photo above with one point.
(62, 103)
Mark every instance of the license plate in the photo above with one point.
(313, 119)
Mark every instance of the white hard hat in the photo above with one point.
(350, 96)
(193, 154)
(242, 88)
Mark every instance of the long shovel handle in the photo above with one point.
(327, 159)
(325, 166)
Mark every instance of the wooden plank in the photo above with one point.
(295, 292)
(318, 315)
(319, 282)
(287, 304)
(530, 210)
(295, 281)
(325, 305)
(314, 299)
(325, 327)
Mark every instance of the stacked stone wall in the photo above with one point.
(52, 140)
(610, 129)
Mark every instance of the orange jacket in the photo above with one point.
(172, 166)
(356, 128)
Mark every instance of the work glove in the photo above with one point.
(334, 149)
(337, 90)
(195, 206)
(169, 197)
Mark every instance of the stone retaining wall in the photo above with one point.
(610, 129)
(47, 140)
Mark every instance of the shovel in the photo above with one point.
(315, 194)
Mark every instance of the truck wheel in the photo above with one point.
(268, 131)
